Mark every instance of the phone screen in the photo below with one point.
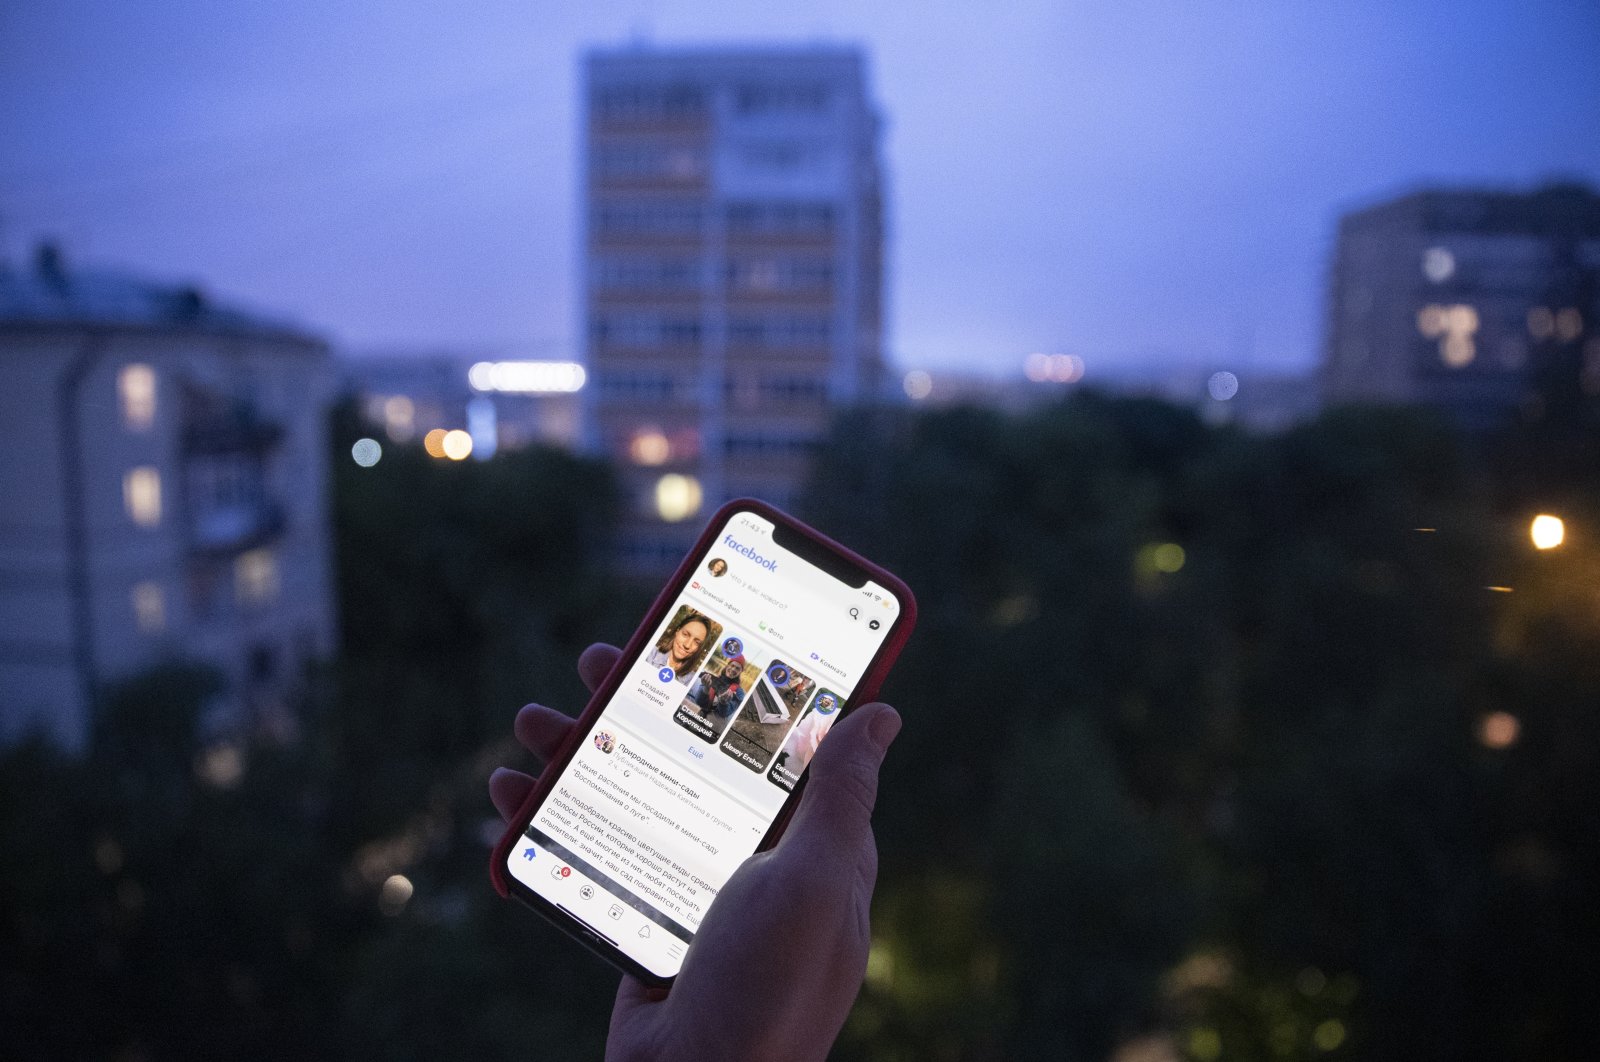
(710, 730)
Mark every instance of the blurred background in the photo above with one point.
(1224, 380)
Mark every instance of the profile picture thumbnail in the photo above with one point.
(688, 639)
(768, 712)
(719, 689)
(718, 567)
(604, 741)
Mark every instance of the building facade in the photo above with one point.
(1481, 304)
(733, 273)
(164, 497)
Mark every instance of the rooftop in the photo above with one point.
(48, 293)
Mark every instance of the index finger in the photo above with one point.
(596, 663)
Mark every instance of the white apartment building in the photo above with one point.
(733, 272)
(164, 486)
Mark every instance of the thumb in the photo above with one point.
(836, 808)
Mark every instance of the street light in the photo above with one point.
(1547, 531)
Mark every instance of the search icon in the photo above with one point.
(855, 613)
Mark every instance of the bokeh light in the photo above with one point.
(366, 452)
(1438, 264)
(649, 447)
(396, 893)
(456, 444)
(1547, 531)
(1499, 730)
(1222, 386)
(433, 442)
(918, 385)
(677, 497)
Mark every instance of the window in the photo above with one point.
(648, 275)
(647, 219)
(770, 444)
(635, 386)
(136, 390)
(794, 97)
(795, 389)
(779, 332)
(781, 273)
(648, 160)
(775, 155)
(149, 607)
(648, 102)
(141, 495)
(781, 218)
(255, 577)
(644, 329)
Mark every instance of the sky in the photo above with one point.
(1132, 181)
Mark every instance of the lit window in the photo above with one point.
(141, 495)
(1454, 328)
(399, 418)
(149, 608)
(136, 389)
(649, 447)
(255, 577)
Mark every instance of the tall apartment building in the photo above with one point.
(1482, 304)
(734, 272)
(164, 484)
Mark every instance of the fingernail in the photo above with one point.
(883, 727)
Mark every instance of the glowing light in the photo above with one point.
(433, 442)
(677, 497)
(396, 893)
(1438, 264)
(1066, 368)
(1222, 386)
(1328, 1035)
(456, 444)
(649, 447)
(1569, 324)
(136, 388)
(527, 377)
(1457, 350)
(1499, 589)
(918, 385)
(149, 607)
(255, 577)
(1541, 322)
(1430, 321)
(141, 495)
(366, 452)
(483, 424)
(220, 766)
(1547, 531)
(1499, 730)
(1453, 326)
(1053, 368)
(1168, 557)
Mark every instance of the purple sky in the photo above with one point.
(1122, 179)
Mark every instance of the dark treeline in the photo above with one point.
(1194, 757)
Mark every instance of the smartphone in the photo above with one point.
(693, 752)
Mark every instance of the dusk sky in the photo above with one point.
(1122, 179)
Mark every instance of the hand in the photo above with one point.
(779, 958)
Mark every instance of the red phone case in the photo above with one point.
(865, 691)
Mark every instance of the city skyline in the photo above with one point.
(1129, 183)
